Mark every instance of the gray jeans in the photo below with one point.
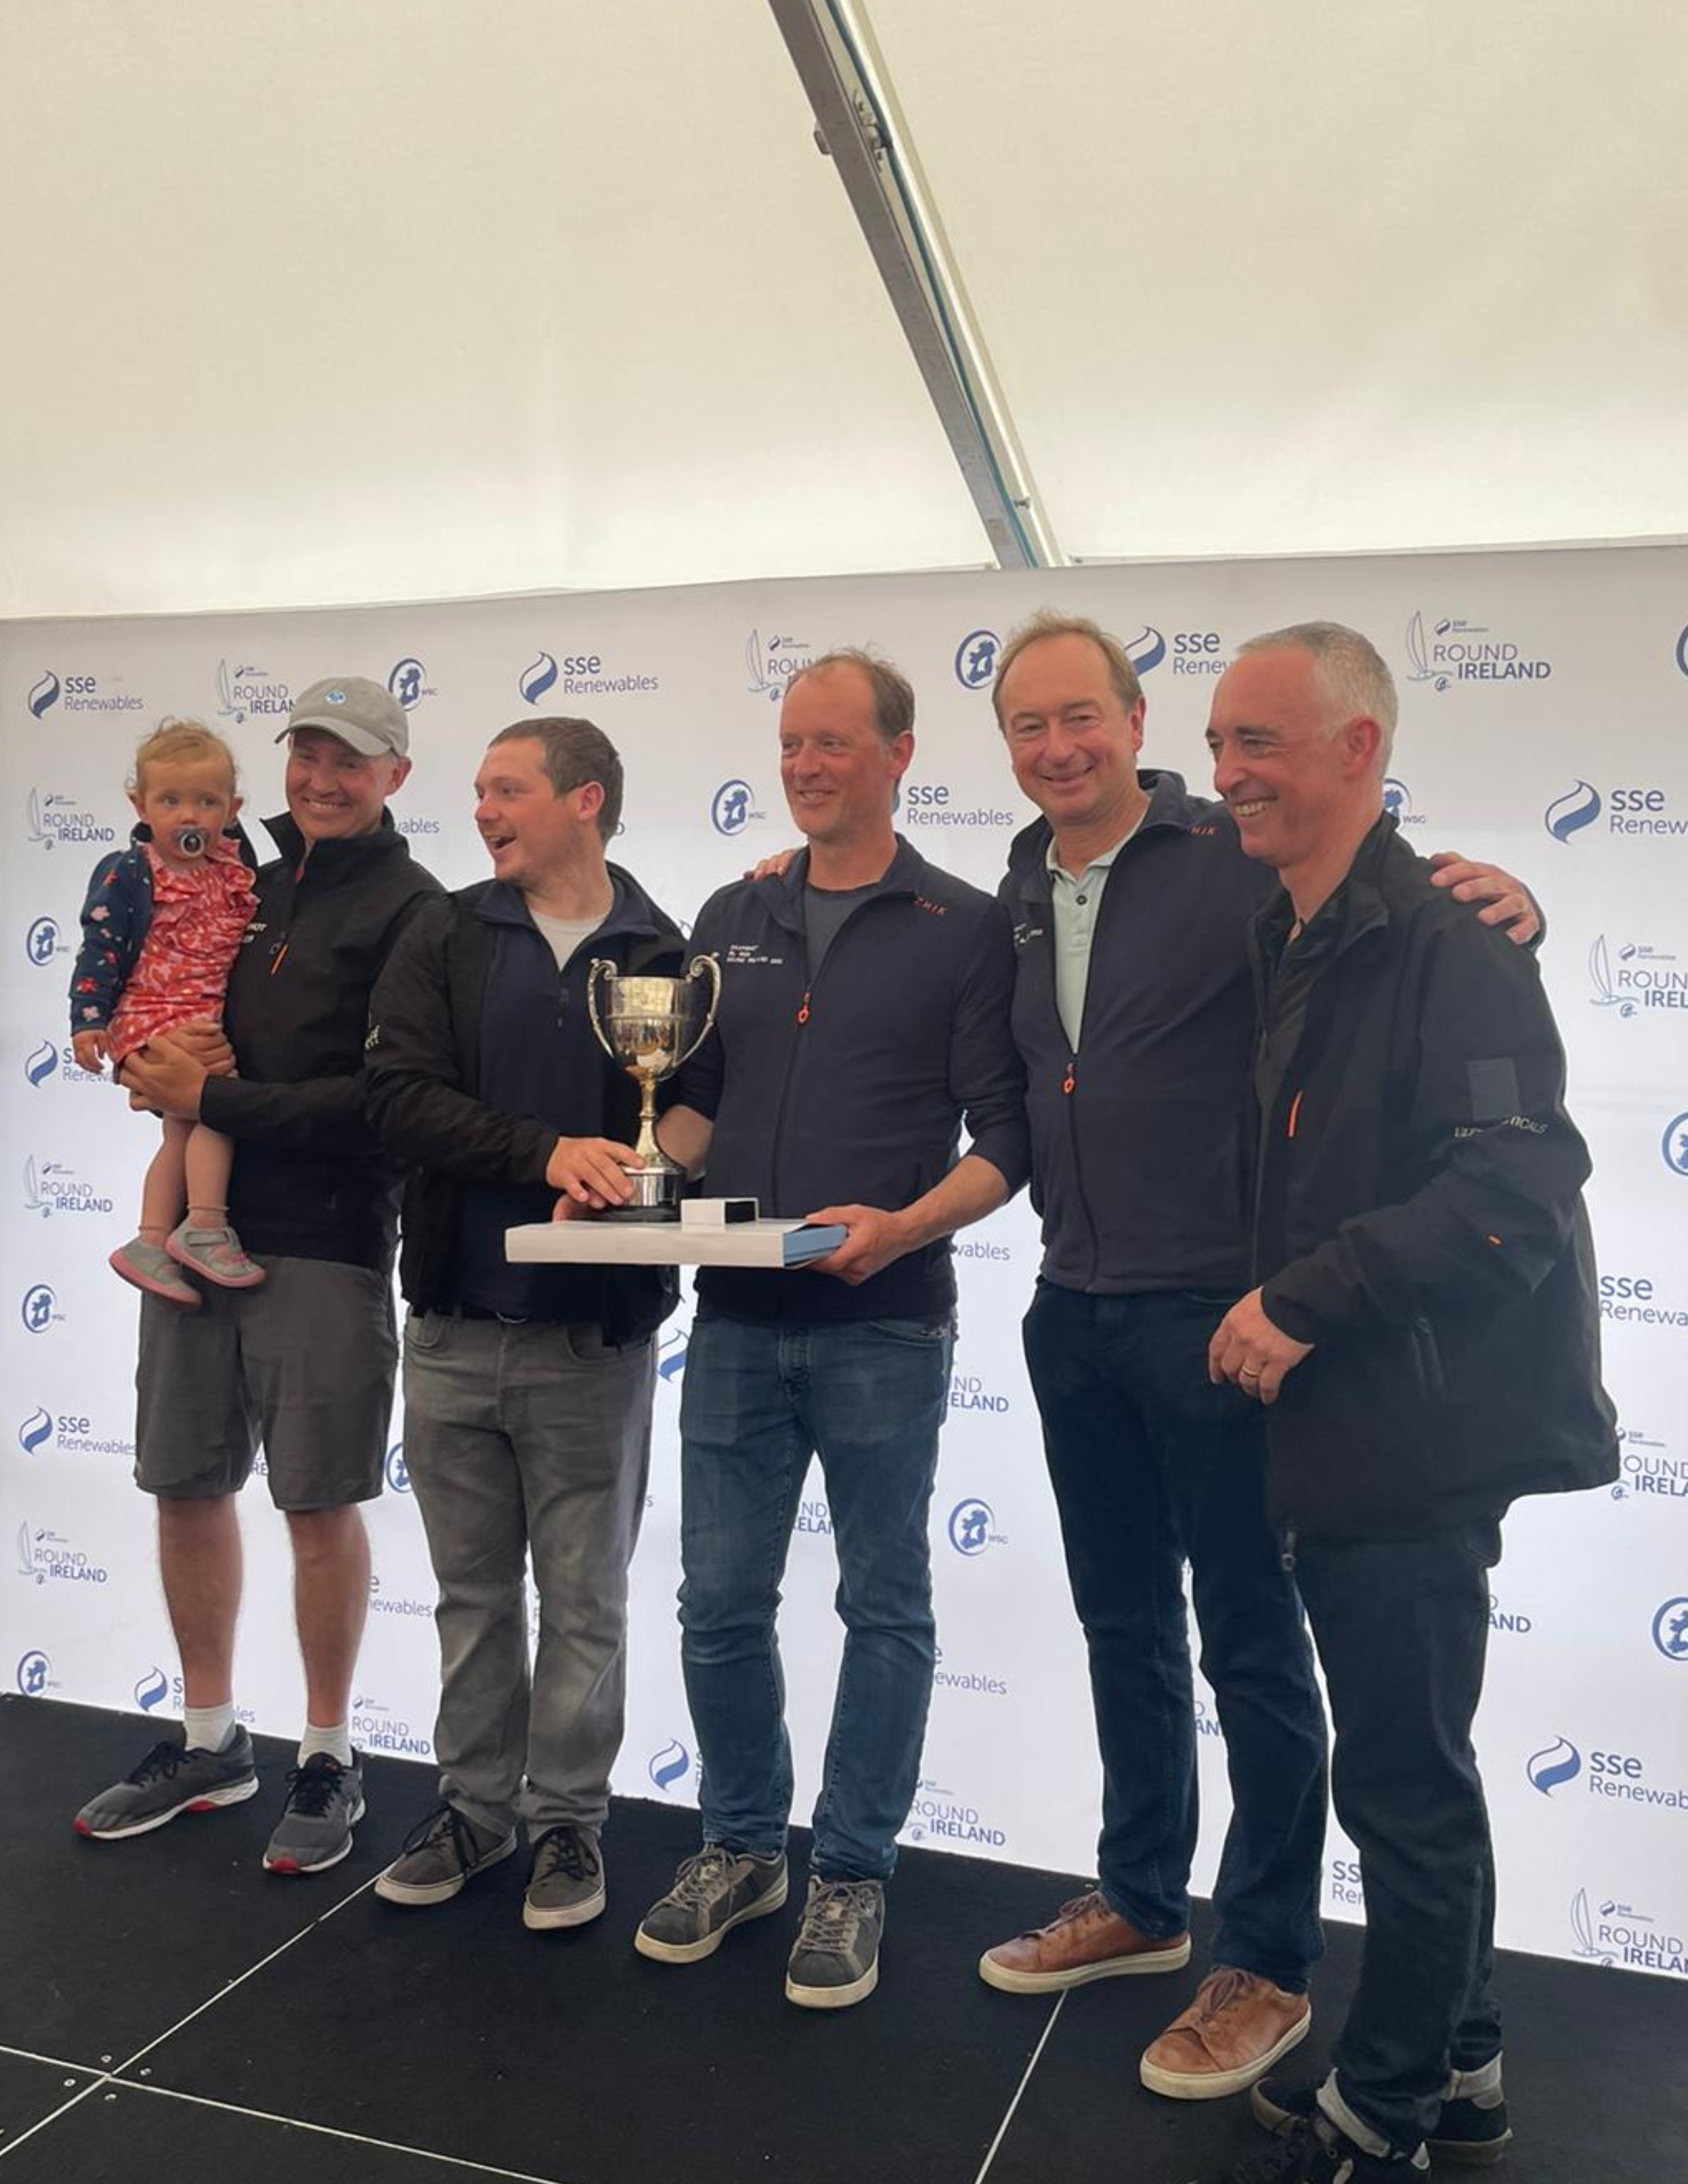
(532, 1436)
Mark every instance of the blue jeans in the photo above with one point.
(1152, 1467)
(757, 1401)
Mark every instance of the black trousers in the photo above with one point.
(1403, 1630)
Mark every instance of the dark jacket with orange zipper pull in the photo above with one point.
(851, 1088)
(310, 1180)
(1419, 1218)
(1140, 1139)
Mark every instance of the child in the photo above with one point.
(160, 931)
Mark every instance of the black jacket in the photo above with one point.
(1139, 1146)
(309, 1178)
(851, 1090)
(1420, 1219)
(424, 1074)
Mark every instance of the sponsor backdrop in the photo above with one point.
(1545, 707)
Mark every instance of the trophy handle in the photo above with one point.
(703, 966)
(601, 967)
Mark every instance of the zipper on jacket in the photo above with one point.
(803, 1011)
(1286, 1549)
(1069, 1084)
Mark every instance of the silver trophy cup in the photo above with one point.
(648, 1027)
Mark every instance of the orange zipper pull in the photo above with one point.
(1069, 1080)
(803, 1013)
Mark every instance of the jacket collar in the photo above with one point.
(337, 857)
(1359, 906)
(782, 893)
(1172, 808)
(631, 913)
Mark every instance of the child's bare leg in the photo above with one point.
(209, 1156)
(164, 1195)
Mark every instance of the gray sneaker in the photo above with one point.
(150, 1268)
(173, 1778)
(835, 1960)
(565, 1887)
(440, 1853)
(216, 1253)
(714, 1891)
(324, 1803)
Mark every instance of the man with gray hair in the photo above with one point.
(527, 1389)
(1134, 1016)
(1423, 1339)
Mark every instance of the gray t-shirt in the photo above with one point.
(824, 911)
(563, 935)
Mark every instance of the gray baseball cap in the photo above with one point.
(361, 713)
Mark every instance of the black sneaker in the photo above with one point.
(1311, 2150)
(172, 1778)
(835, 1960)
(324, 1803)
(565, 1887)
(440, 1854)
(714, 1891)
(1468, 2131)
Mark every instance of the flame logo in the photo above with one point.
(35, 1430)
(1147, 651)
(40, 1065)
(152, 1691)
(44, 694)
(1561, 1762)
(1569, 813)
(669, 1764)
(535, 681)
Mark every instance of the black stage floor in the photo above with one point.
(169, 2011)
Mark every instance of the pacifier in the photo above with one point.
(191, 842)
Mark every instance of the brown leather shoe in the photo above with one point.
(1236, 2029)
(1084, 1940)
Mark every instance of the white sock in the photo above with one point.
(209, 1728)
(337, 1742)
(1481, 2087)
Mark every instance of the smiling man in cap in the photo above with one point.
(305, 1364)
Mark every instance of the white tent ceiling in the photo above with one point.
(316, 302)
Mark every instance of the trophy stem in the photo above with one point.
(645, 1144)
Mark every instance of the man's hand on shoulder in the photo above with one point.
(1507, 901)
(588, 1171)
(875, 1237)
(1249, 1351)
(772, 868)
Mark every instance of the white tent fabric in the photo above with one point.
(313, 304)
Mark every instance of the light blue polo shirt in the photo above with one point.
(1075, 903)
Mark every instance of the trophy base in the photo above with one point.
(656, 1195)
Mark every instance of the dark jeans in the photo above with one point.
(1402, 1629)
(1153, 1467)
(758, 1403)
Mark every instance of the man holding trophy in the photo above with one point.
(864, 1014)
(527, 1388)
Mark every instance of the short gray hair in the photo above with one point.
(1352, 675)
(571, 754)
(893, 692)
